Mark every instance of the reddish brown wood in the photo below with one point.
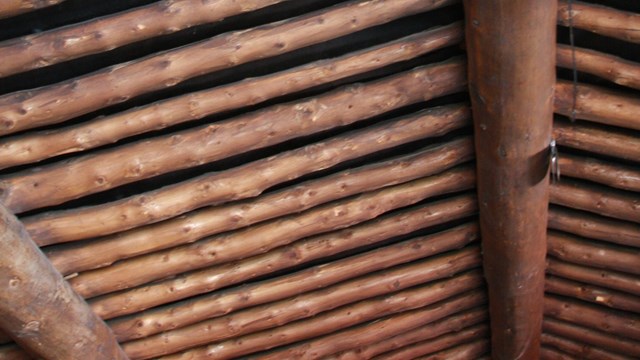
(579, 349)
(597, 139)
(13, 352)
(549, 353)
(611, 298)
(10, 8)
(599, 19)
(606, 278)
(603, 172)
(38, 308)
(511, 47)
(471, 350)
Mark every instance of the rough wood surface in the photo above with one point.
(597, 139)
(602, 20)
(610, 298)
(606, 278)
(32, 147)
(471, 350)
(56, 103)
(10, 8)
(550, 353)
(39, 310)
(579, 349)
(604, 172)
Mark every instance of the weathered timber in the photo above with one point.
(511, 84)
(599, 171)
(597, 139)
(602, 20)
(304, 251)
(177, 315)
(597, 104)
(620, 71)
(32, 147)
(610, 298)
(471, 350)
(39, 310)
(109, 32)
(594, 227)
(241, 182)
(268, 235)
(10, 8)
(619, 323)
(606, 278)
(550, 353)
(580, 349)
(56, 103)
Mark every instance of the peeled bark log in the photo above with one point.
(594, 227)
(59, 102)
(620, 71)
(597, 104)
(603, 172)
(38, 308)
(619, 323)
(298, 253)
(549, 353)
(10, 8)
(109, 32)
(579, 349)
(472, 350)
(31, 147)
(596, 254)
(601, 296)
(602, 20)
(597, 140)
(178, 315)
(605, 278)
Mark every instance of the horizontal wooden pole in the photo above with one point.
(606, 278)
(604, 172)
(600, 19)
(618, 70)
(579, 349)
(471, 350)
(9, 8)
(597, 139)
(550, 353)
(610, 298)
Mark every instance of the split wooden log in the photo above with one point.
(269, 235)
(591, 253)
(599, 19)
(593, 337)
(619, 323)
(472, 350)
(206, 222)
(178, 315)
(39, 310)
(59, 102)
(32, 147)
(109, 32)
(610, 298)
(605, 278)
(599, 171)
(620, 71)
(427, 298)
(241, 182)
(580, 350)
(549, 353)
(597, 104)
(597, 139)
(306, 305)
(9, 8)
(618, 204)
(594, 227)
(301, 252)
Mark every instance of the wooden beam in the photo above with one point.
(38, 308)
(511, 48)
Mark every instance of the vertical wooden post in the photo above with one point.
(511, 50)
(38, 308)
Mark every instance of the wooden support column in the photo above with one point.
(38, 308)
(511, 50)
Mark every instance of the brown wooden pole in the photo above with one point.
(511, 47)
(9, 8)
(38, 308)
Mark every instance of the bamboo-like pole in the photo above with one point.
(619, 323)
(511, 83)
(597, 104)
(178, 315)
(599, 19)
(245, 181)
(594, 227)
(606, 278)
(300, 252)
(580, 349)
(611, 298)
(597, 139)
(620, 71)
(10, 8)
(39, 310)
(549, 353)
(599, 171)
(109, 32)
(32, 147)
(56, 103)
(471, 350)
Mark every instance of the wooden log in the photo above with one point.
(32, 147)
(427, 298)
(620, 71)
(605, 278)
(594, 227)
(109, 32)
(618, 204)
(39, 310)
(242, 182)
(619, 323)
(592, 253)
(267, 235)
(305, 305)
(59, 102)
(602, 20)
(579, 349)
(10, 8)
(301, 252)
(472, 350)
(13, 352)
(596, 139)
(549, 353)
(177, 315)
(209, 221)
(597, 104)
(593, 337)
(599, 171)
(610, 298)
(511, 80)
